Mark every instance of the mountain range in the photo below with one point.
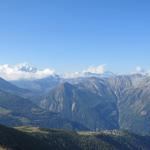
(91, 102)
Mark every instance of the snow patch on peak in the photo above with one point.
(26, 67)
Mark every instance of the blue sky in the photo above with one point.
(70, 35)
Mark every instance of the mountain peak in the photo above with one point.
(26, 67)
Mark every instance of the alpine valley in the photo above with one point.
(90, 102)
(93, 111)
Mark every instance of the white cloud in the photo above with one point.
(27, 71)
(140, 70)
(23, 71)
(99, 70)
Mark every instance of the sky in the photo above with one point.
(71, 35)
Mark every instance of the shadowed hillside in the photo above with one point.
(32, 138)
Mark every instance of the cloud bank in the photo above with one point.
(23, 71)
(98, 70)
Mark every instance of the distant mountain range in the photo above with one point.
(85, 103)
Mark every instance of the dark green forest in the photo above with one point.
(33, 138)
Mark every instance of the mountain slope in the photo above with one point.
(8, 87)
(132, 92)
(103, 103)
(15, 110)
(16, 140)
(38, 85)
(134, 110)
(84, 106)
(27, 138)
